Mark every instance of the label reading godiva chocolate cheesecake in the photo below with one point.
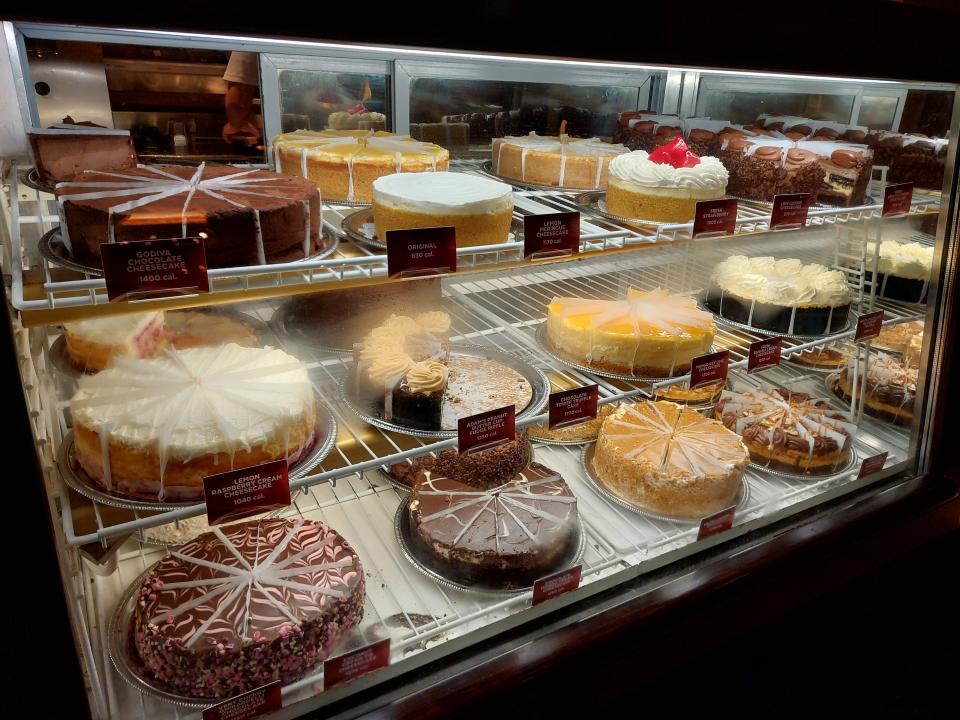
(152, 269)
(716, 523)
(709, 369)
(551, 235)
(764, 354)
(790, 211)
(487, 429)
(872, 464)
(421, 251)
(569, 407)
(356, 663)
(255, 703)
(869, 326)
(248, 491)
(897, 199)
(715, 217)
(557, 584)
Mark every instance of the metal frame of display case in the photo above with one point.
(486, 309)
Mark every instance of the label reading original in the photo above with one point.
(709, 369)
(551, 235)
(872, 464)
(557, 584)
(715, 217)
(487, 429)
(716, 523)
(149, 269)
(255, 703)
(421, 251)
(248, 491)
(764, 354)
(569, 407)
(790, 211)
(897, 198)
(353, 664)
(869, 326)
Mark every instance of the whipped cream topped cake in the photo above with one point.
(345, 163)
(891, 387)
(246, 217)
(785, 296)
(664, 185)
(508, 535)
(903, 270)
(93, 344)
(649, 334)
(670, 459)
(153, 429)
(561, 161)
(788, 430)
(479, 208)
(247, 604)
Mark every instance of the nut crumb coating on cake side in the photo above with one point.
(239, 607)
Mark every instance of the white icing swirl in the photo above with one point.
(636, 167)
(427, 377)
(783, 282)
(906, 260)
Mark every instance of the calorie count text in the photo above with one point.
(422, 250)
(554, 584)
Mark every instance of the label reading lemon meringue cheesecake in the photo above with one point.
(551, 234)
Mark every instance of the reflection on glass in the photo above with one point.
(463, 113)
(744, 106)
(878, 112)
(325, 99)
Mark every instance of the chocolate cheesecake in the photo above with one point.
(484, 469)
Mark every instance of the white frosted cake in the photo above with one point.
(93, 344)
(480, 209)
(903, 270)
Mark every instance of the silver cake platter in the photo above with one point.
(850, 463)
(78, 480)
(539, 384)
(596, 201)
(487, 168)
(586, 459)
(55, 251)
(541, 337)
(124, 657)
(60, 358)
(403, 533)
(358, 226)
(31, 178)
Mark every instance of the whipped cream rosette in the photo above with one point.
(903, 270)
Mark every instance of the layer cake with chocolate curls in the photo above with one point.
(506, 536)
(484, 469)
(245, 217)
(787, 430)
(245, 605)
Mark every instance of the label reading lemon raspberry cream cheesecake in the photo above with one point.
(247, 491)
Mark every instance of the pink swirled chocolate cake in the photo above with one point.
(245, 605)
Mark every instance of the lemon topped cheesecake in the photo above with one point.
(650, 334)
(344, 163)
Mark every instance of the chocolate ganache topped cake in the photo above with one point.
(246, 217)
(784, 296)
(245, 605)
(508, 535)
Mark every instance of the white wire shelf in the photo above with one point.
(33, 213)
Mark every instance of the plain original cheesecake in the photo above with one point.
(480, 209)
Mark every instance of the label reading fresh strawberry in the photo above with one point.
(675, 153)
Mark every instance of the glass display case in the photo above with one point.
(756, 335)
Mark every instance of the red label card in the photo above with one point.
(487, 429)
(897, 198)
(251, 704)
(715, 217)
(421, 251)
(557, 584)
(353, 664)
(790, 211)
(570, 407)
(248, 491)
(872, 464)
(551, 234)
(709, 369)
(145, 269)
(716, 523)
(764, 354)
(869, 326)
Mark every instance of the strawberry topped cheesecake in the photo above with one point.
(664, 185)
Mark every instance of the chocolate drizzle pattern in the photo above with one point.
(240, 607)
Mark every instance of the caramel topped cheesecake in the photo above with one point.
(650, 334)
